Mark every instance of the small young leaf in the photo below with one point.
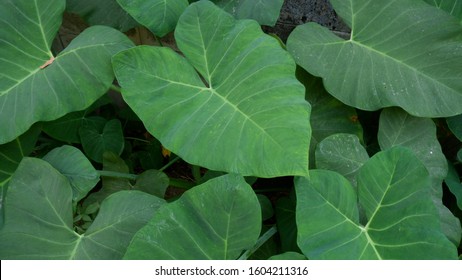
(96, 142)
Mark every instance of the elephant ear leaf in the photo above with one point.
(231, 104)
(37, 86)
(383, 64)
(394, 191)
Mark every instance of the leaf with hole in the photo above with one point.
(245, 113)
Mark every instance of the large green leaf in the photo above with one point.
(160, 16)
(265, 12)
(72, 163)
(397, 128)
(394, 191)
(38, 223)
(247, 115)
(402, 53)
(216, 220)
(342, 153)
(74, 80)
(102, 12)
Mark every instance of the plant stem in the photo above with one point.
(196, 172)
(138, 139)
(116, 88)
(169, 164)
(181, 184)
(114, 174)
(267, 235)
(158, 41)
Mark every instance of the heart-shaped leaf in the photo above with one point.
(96, 142)
(36, 86)
(395, 192)
(216, 220)
(102, 12)
(265, 12)
(160, 16)
(38, 222)
(247, 115)
(402, 53)
(72, 163)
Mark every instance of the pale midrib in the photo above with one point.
(403, 64)
(60, 56)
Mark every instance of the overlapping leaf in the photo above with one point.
(342, 153)
(38, 223)
(74, 80)
(102, 12)
(72, 163)
(216, 220)
(401, 53)
(11, 155)
(328, 115)
(95, 142)
(160, 16)
(453, 7)
(395, 193)
(397, 128)
(265, 12)
(244, 113)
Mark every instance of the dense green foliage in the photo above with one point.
(215, 140)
